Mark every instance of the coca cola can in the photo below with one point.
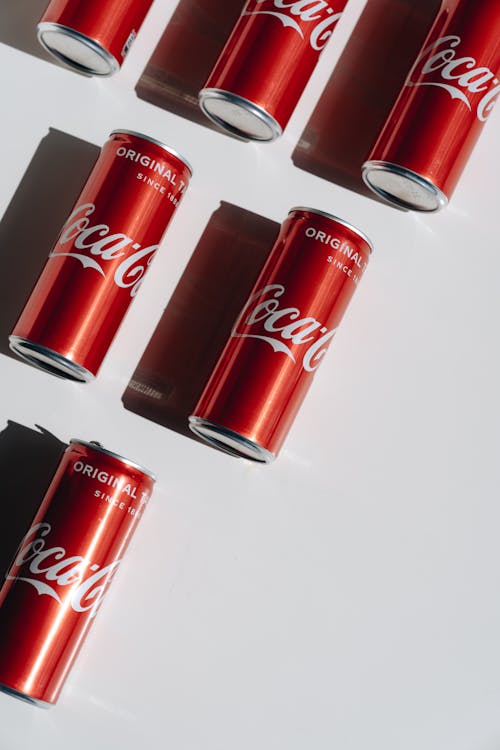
(99, 260)
(440, 113)
(280, 337)
(91, 36)
(64, 565)
(265, 65)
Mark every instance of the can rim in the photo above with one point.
(425, 184)
(25, 697)
(347, 224)
(156, 142)
(49, 360)
(92, 44)
(94, 445)
(207, 94)
(229, 441)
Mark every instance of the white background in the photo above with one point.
(348, 595)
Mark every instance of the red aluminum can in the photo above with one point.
(266, 63)
(279, 339)
(64, 565)
(440, 113)
(101, 256)
(91, 36)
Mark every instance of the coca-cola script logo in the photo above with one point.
(262, 318)
(316, 12)
(50, 570)
(461, 77)
(97, 241)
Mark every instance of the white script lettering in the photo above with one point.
(291, 14)
(461, 77)
(98, 241)
(282, 325)
(49, 570)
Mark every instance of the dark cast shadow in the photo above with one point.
(197, 321)
(28, 461)
(362, 89)
(186, 54)
(30, 226)
(18, 22)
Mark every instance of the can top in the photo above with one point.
(157, 143)
(76, 50)
(337, 219)
(98, 447)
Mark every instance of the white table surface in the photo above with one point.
(348, 595)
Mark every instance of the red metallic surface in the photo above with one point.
(284, 330)
(273, 51)
(110, 23)
(448, 96)
(64, 565)
(104, 250)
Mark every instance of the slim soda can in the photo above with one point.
(281, 335)
(92, 37)
(99, 260)
(266, 63)
(448, 96)
(64, 565)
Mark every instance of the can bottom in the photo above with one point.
(402, 187)
(238, 115)
(23, 696)
(76, 50)
(229, 441)
(49, 360)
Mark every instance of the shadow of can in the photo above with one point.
(186, 54)
(197, 321)
(362, 90)
(28, 461)
(34, 217)
(18, 26)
